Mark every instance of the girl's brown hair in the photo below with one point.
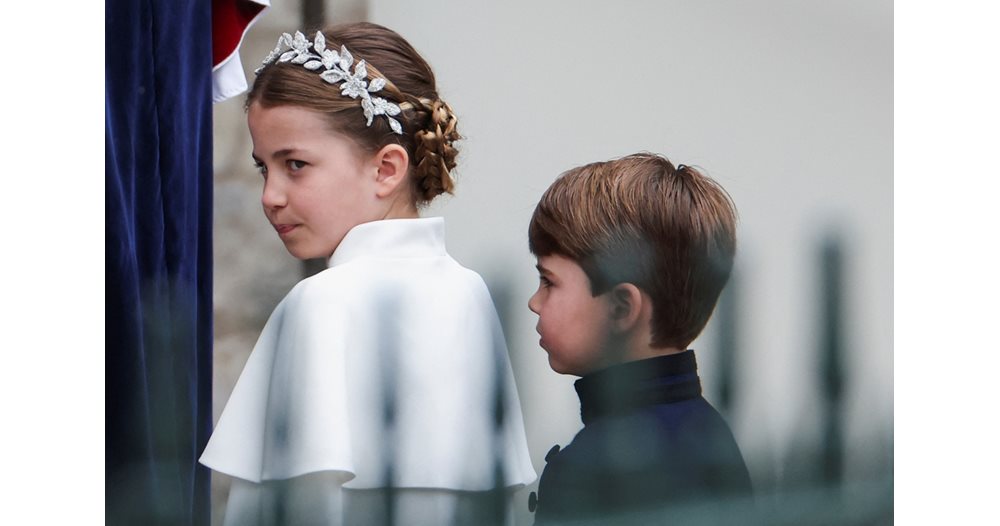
(671, 231)
(429, 125)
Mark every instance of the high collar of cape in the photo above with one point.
(623, 388)
(392, 238)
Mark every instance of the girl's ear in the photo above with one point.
(392, 162)
(626, 306)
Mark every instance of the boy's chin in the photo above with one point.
(563, 368)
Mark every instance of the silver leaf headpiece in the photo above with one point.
(336, 69)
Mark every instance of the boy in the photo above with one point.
(632, 255)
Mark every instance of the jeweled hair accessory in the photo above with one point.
(336, 68)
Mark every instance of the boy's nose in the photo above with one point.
(533, 303)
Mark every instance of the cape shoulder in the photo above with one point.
(418, 341)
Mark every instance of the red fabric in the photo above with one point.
(230, 19)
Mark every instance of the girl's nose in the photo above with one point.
(274, 195)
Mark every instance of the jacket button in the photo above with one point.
(552, 452)
(532, 502)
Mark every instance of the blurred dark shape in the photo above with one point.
(313, 14)
(831, 357)
(495, 509)
(311, 267)
(728, 346)
(811, 488)
(158, 260)
(387, 344)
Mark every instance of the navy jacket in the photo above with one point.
(651, 445)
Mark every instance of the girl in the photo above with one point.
(380, 388)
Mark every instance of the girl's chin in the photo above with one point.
(304, 254)
(299, 253)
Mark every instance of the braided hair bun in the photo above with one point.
(435, 153)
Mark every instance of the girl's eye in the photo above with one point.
(295, 166)
(261, 168)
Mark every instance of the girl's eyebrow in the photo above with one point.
(284, 152)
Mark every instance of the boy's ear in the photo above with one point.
(626, 306)
(392, 162)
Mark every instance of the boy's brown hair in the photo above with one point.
(669, 231)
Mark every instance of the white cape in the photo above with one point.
(387, 364)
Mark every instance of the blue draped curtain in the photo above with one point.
(158, 260)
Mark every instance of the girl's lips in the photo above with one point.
(284, 229)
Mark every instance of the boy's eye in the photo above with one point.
(544, 281)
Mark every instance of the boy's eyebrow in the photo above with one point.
(541, 269)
